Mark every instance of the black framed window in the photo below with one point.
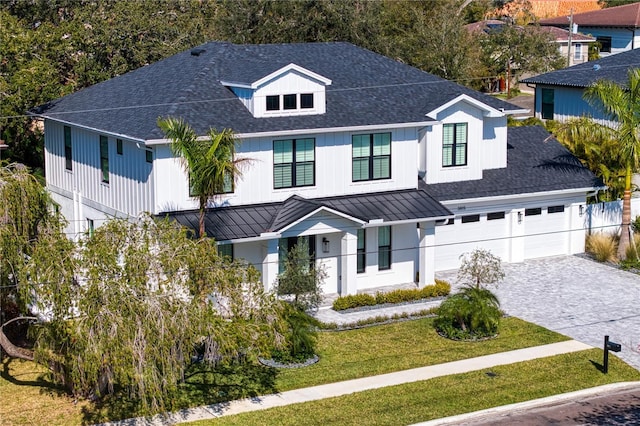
(547, 104)
(533, 212)
(605, 43)
(90, 227)
(290, 102)
(454, 145)
(371, 156)
(384, 248)
(119, 148)
(148, 156)
(225, 251)
(68, 154)
(294, 163)
(104, 158)
(555, 209)
(362, 250)
(273, 103)
(306, 100)
(495, 216)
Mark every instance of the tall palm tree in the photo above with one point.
(210, 162)
(621, 104)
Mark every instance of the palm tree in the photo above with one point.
(621, 104)
(210, 162)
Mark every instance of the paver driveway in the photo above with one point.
(577, 297)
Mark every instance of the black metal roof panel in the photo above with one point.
(379, 89)
(613, 67)
(535, 163)
(237, 222)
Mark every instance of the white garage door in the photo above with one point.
(546, 231)
(489, 231)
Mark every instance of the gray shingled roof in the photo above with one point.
(613, 67)
(228, 223)
(534, 164)
(366, 89)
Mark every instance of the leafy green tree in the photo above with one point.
(302, 278)
(211, 163)
(513, 50)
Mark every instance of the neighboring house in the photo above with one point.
(617, 29)
(552, 8)
(559, 94)
(388, 172)
(579, 42)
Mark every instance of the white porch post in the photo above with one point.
(348, 264)
(427, 253)
(270, 261)
(517, 236)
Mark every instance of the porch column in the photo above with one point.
(427, 254)
(270, 261)
(517, 236)
(348, 264)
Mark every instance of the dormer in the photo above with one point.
(290, 90)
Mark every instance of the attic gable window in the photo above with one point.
(290, 102)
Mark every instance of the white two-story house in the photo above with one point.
(388, 172)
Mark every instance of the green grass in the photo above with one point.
(346, 355)
(446, 396)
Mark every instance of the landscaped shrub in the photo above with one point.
(602, 247)
(634, 249)
(353, 301)
(473, 313)
(440, 288)
(300, 338)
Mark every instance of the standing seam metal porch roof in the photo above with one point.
(238, 222)
(366, 89)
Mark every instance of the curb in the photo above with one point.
(528, 405)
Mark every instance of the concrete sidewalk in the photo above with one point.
(357, 385)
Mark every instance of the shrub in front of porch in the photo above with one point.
(440, 288)
(473, 313)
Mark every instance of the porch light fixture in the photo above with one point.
(325, 245)
(581, 210)
(519, 218)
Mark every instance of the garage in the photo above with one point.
(546, 231)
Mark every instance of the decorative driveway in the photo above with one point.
(577, 297)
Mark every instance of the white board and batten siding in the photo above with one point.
(333, 171)
(129, 190)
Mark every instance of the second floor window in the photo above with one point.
(577, 52)
(371, 156)
(294, 163)
(68, 157)
(454, 145)
(104, 158)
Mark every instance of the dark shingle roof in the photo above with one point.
(534, 164)
(613, 67)
(379, 89)
(228, 223)
(627, 15)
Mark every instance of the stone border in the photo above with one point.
(275, 364)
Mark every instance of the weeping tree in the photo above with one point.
(127, 308)
(27, 215)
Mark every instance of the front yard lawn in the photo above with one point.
(344, 355)
(446, 396)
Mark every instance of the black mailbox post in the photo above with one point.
(609, 346)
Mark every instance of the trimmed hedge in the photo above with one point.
(440, 288)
